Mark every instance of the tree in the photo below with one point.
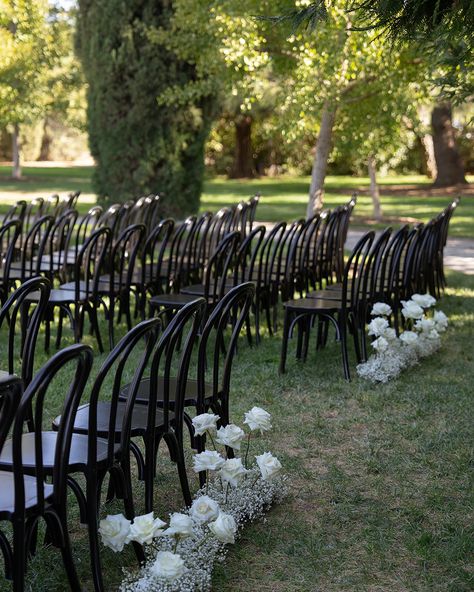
(340, 71)
(141, 143)
(24, 66)
(450, 168)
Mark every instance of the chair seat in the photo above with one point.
(103, 285)
(7, 492)
(139, 419)
(143, 394)
(325, 294)
(313, 305)
(59, 296)
(77, 456)
(194, 289)
(171, 300)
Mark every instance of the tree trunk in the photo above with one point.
(16, 174)
(374, 189)
(46, 141)
(320, 162)
(243, 166)
(431, 168)
(448, 160)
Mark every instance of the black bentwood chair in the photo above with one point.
(23, 326)
(217, 347)
(101, 440)
(25, 497)
(347, 313)
(163, 396)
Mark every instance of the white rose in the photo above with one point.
(380, 344)
(114, 531)
(168, 566)
(411, 310)
(204, 509)
(269, 465)
(440, 320)
(408, 337)
(433, 334)
(389, 334)
(180, 524)
(206, 422)
(377, 326)
(425, 325)
(231, 435)
(232, 471)
(424, 300)
(209, 460)
(381, 309)
(145, 528)
(258, 419)
(224, 528)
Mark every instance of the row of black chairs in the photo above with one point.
(389, 268)
(140, 396)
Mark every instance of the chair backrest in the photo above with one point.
(86, 226)
(34, 246)
(170, 365)
(91, 262)
(24, 325)
(218, 268)
(217, 345)
(247, 255)
(268, 255)
(16, 212)
(77, 359)
(111, 217)
(57, 244)
(131, 353)
(253, 203)
(124, 255)
(153, 255)
(354, 281)
(178, 252)
(11, 390)
(9, 238)
(374, 264)
(34, 211)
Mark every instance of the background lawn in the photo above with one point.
(404, 199)
(381, 491)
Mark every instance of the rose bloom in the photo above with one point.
(204, 509)
(206, 422)
(424, 300)
(224, 528)
(411, 310)
(381, 309)
(380, 344)
(230, 435)
(258, 419)
(433, 334)
(145, 528)
(389, 334)
(232, 471)
(440, 320)
(425, 325)
(408, 337)
(168, 566)
(209, 460)
(377, 326)
(114, 531)
(269, 465)
(180, 524)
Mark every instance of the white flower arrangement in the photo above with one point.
(394, 354)
(181, 557)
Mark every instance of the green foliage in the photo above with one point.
(24, 60)
(141, 143)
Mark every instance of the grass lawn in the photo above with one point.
(404, 199)
(381, 498)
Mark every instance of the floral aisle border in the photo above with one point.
(181, 557)
(394, 353)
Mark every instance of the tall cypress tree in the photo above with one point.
(140, 146)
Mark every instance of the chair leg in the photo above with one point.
(19, 556)
(95, 327)
(68, 560)
(92, 527)
(345, 353)
(177, 455)
(284, 342)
